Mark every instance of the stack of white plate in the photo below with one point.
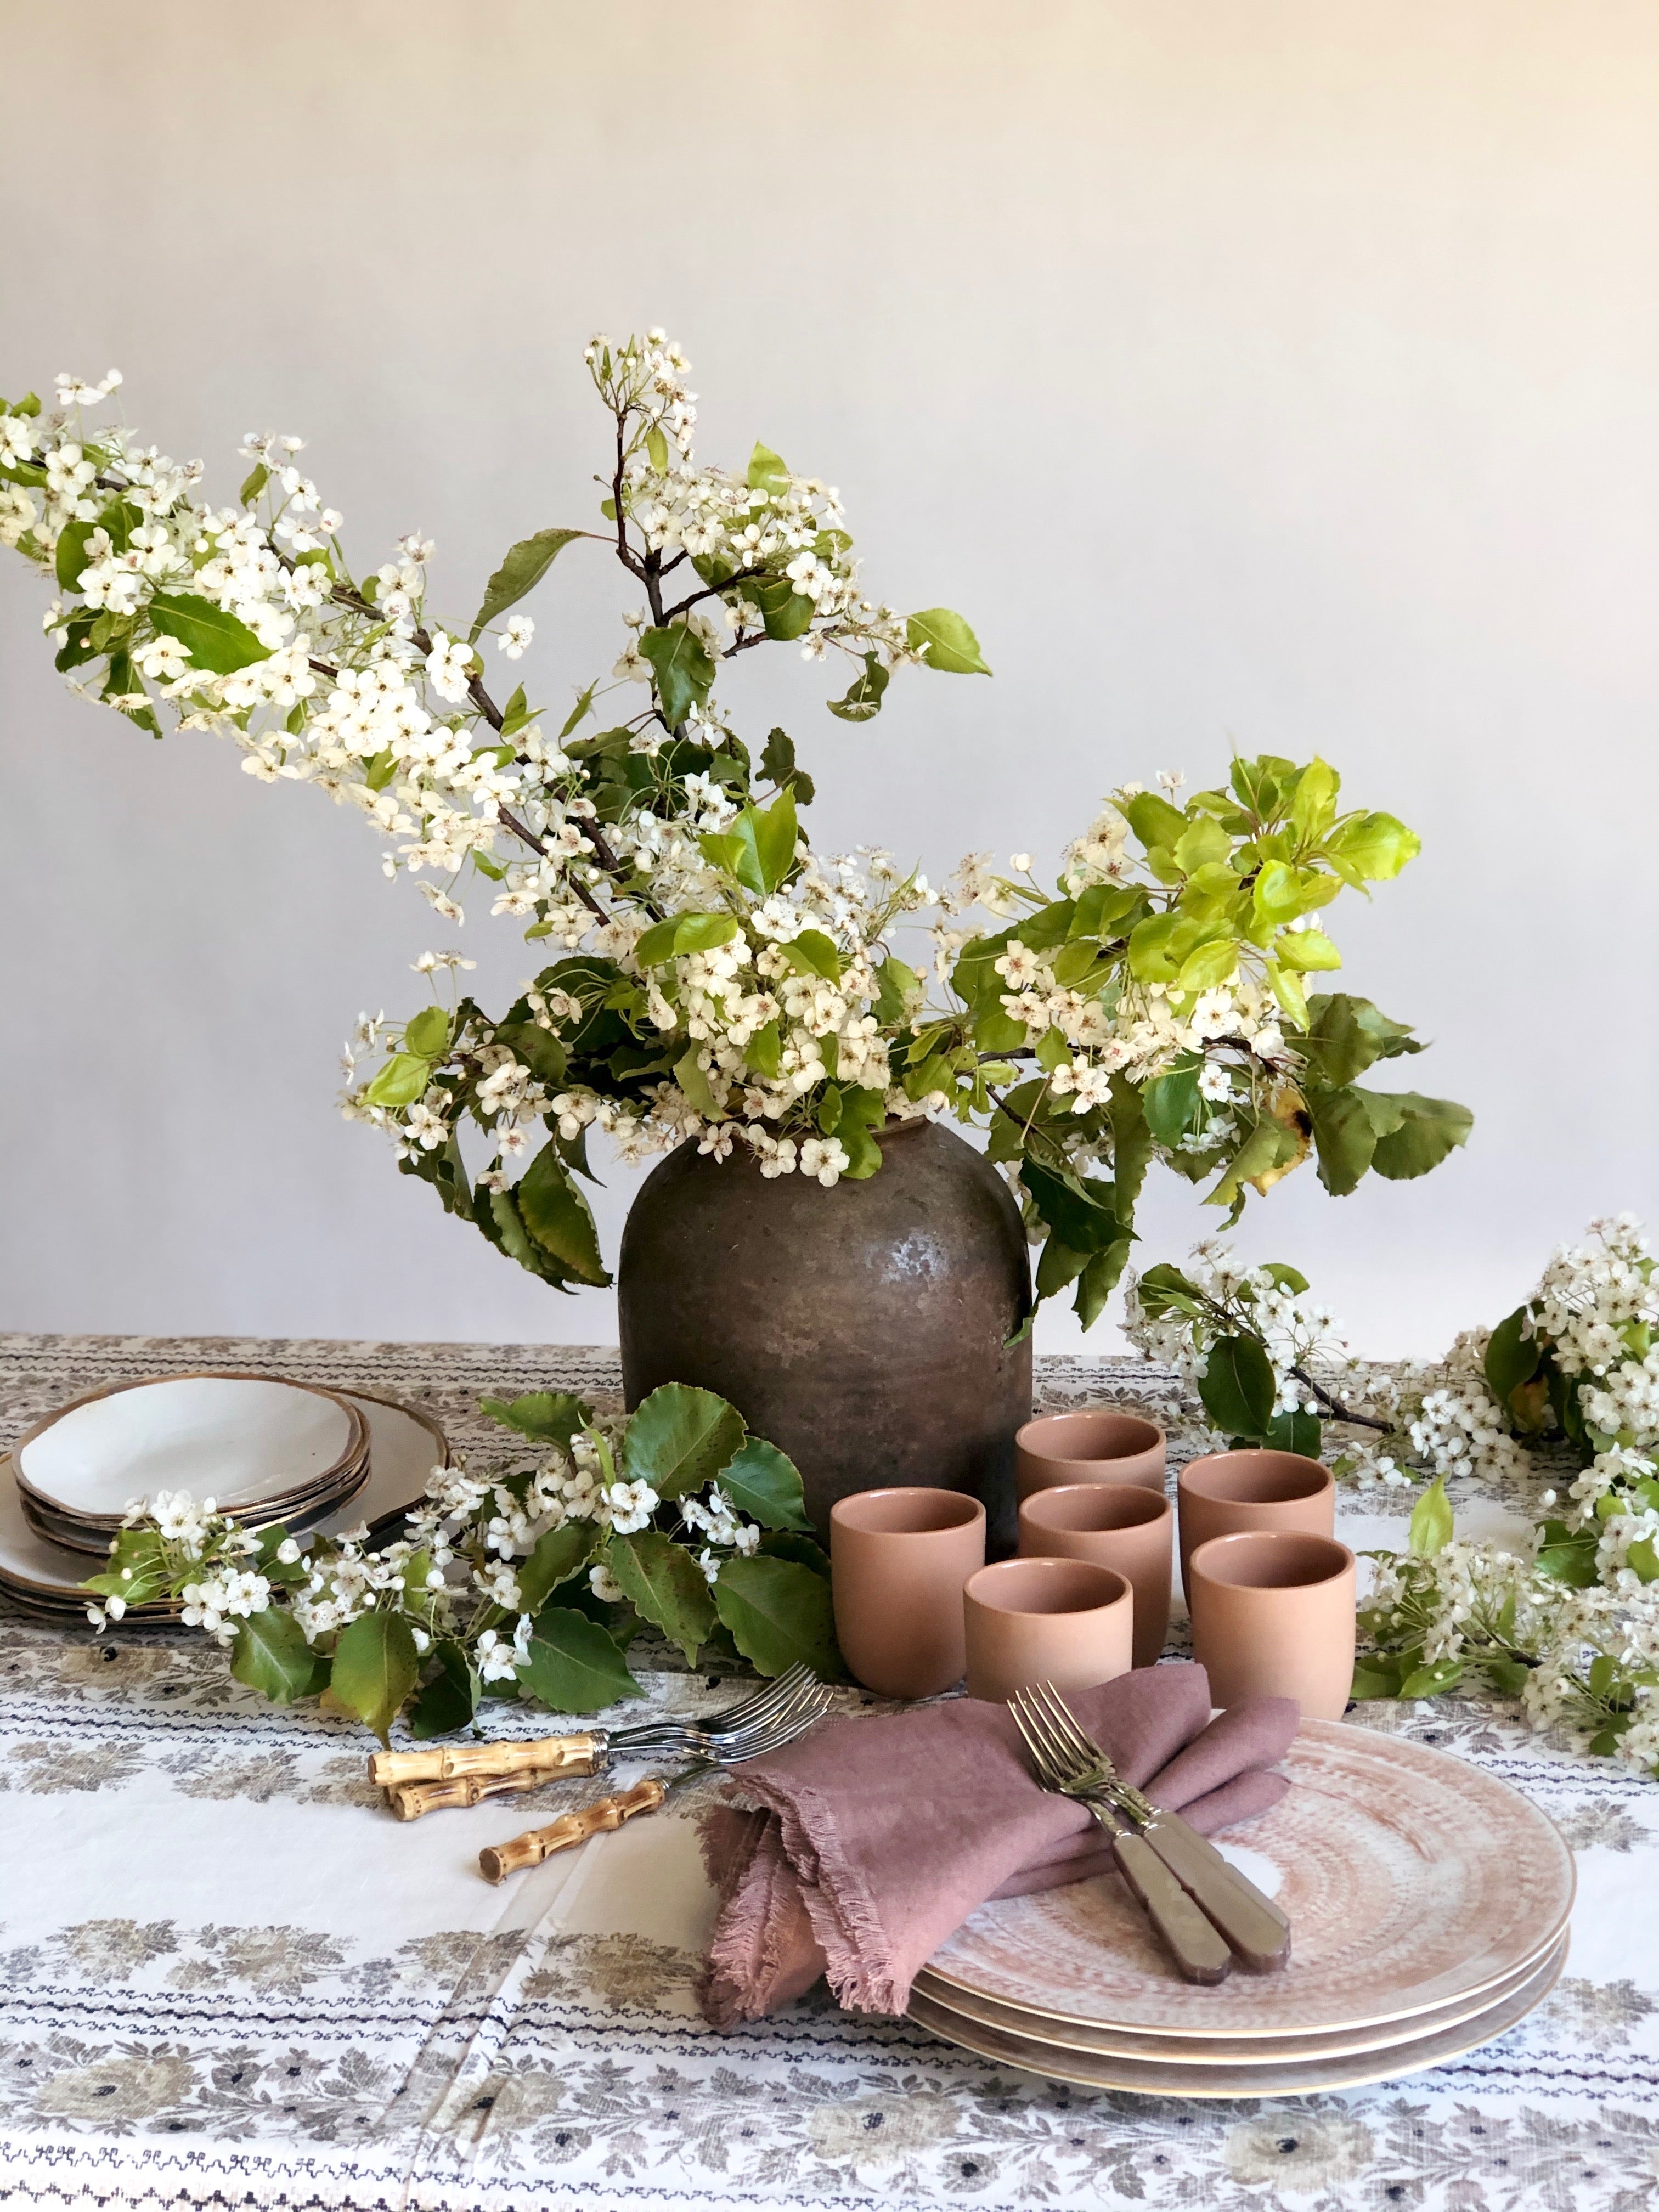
(1428, 1903)
(265, 1450)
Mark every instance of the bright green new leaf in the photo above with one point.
(898, 991)
(767, 472)
(1277, 897)
(1307, 950)
(1170, 1101)
(70, 558)
(525, 564)
(1213, 963)
(574, 1666)
(765, 1484)
(684, 932)
(765, 1050)
(656, 448)
(1431, 1528)
(401, 1081)
(679, 1438)
(1375, 845)
(1288, 990)
(551, 1416)
(1053, 1051)
(1203, 842)
(665, 1586)
(556, 1213)
(254, 483)
(1238, 1387)
(559, 1553)
(1513, 1352)
(950, 644)
(1153, 820)
(427, 1035)
(1429, 1681)
(813, 953)
(863, 700)
(215, 640)
(684, 670)
(1313, 809)
(778, 1613)
(1642, 1560)
(770, 836)
(271, 1656)
(375, 1668)
(1375, 1675)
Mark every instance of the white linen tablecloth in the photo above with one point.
(229, 1978)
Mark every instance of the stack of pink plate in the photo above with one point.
(264, 1449)
(1428, 1902)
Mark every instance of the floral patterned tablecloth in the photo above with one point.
(229, 1979)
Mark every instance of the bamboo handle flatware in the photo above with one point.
(497, 1861)
(411, 1801)
(544, 1756)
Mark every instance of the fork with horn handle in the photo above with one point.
(497, 1861)
(589, 1749)
(1070, 1762)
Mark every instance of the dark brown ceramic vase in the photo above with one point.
(862, 1329)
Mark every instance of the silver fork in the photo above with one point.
(1201, 1954)
(497, 1861)
(586, 1750)
(1253, 1924)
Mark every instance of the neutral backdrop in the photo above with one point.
(1279, 373)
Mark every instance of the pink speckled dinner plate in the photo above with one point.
(1415, 1884)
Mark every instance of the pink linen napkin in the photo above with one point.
(869, 1841)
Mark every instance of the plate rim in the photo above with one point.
(356, 1431)
(1326, 1731)
(1353, 2070)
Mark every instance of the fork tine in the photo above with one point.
(1038, 1759)
(1036, 1730)
(1059, 1754)
(1064, 1721)
(753, 1707)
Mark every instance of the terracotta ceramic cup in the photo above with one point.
(1274, 1617)
(1234, 1492)
(1115, 1524)
(1064, 1621)
(1095, 1446)
(898, 1560)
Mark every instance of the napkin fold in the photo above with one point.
(861, 1847)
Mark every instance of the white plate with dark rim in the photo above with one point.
(248, 1442)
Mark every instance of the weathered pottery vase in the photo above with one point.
(863, 1329)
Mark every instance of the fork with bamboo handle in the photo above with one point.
(412, 1801)
(589, 1749)
(498, 1860)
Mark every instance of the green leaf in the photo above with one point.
(778, 1613)
(862, 702)
(777, 759)
(1375, 846)
(1347, 1035)
(768, 844)
(786, 613)
(525, 564)
(689, 1075)
(1070, 1209)
(1238, 1387)
(1099, 1280)
(559, 1553)
(1170, 1101)
(1431, 1528)
(1427, 1131)
(579, 712)
(1294, 1433)
(1344, 1137)
(684, 932)
(679, 1438)
(767, 472)
(1306, 951)
(271, 1656)
(254, 483)
(950, 645)
(1512, 1357)
(1153, 820)
(1507, 1676)
(375, 1668)
(1269, 1144)
(1642, 1560)
(1375, 1675)
(1313, 809)
(764, 1052)
(765, 1484)
(215, 640)
(1568, 1555)
(813, 953)
(427, 1034)
(71, 554)
(665, 1586)
(684, 673)
(401, 1081)
(450, 1699)
(1212, 964)
(1058, 1267)
(656, 448)
(1202, 841)
(556, 1215)
(551, 1416)
(788, 1544)
(1430, 1681)
(899, 991)
(572, 1665)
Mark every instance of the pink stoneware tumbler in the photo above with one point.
(1094, 1446)
(898, 1560)
(1117, 1525)
(1235, 1492)
(1274, 1617)
(1064, 1621)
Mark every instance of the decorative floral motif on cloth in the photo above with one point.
(231, 1979)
